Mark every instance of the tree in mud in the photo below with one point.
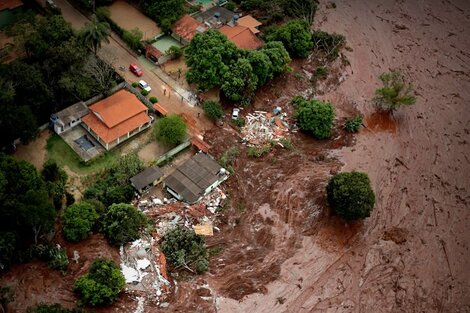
(295, 35)
(396, 92)
(123, 223)
(329, 44)
(170, 130)
(213, 109)
(314, 116)
(350, 195)
(184, 249)
(79, 219)
(102, 284)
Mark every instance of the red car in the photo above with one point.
(136, 70)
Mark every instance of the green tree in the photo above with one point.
(352, 124)
(278, 56)
(175, 52)
(183, 248)
(208, 57)
(262, 66)
(133, 38)
(37, 212)
(213, 109)
(79, 220)
(295, 35)
(350, 195)
(94, 33)
(239, 83)
(164, 12)
(303, 9)
(314, 117)
(102, 284)
(7, 249)
(170, 130)
(123, 223)
(394, 93)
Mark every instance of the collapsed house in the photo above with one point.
(195, 178)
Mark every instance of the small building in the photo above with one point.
(242, 37)
(195, 178)
(186, 28)
(151, 176)
(69, 117)
(215, 17)
(250, 22)
(116, 118)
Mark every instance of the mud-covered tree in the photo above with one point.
(329, 44)
(350, 195)
(123, 223)
(295, 35)
(213, 109)
(78, 221)
(170, 130)
(102, 284)
(396, 92)
(303, 9)
(239, 83)
(314, 117)
(208, 57)
(184, 249)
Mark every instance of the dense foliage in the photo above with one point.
(269, 11)
(352, 124)
(132, 38)
(102, 284)
(164, 12)
(50, 78)
(350, 195)
(170, 130)
(295, 35)
(123, 223)
(6, 296)
(314, 117)
(94, 33)
(239, 83)
(78, 221)
(394, 93)
(213, 109)
(175, 52)
(112, 184)
(183, 248)
(56, 182)
(329, 44)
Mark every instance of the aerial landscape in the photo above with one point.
(234, 156)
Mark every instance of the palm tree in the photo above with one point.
(94, 33)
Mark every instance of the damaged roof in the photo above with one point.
(146, 177)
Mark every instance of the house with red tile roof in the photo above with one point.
(116, 118)
(250, 22)
(242, 37)
(186, 28)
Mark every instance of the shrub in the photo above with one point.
(58, 259)
(79, 220)
(144, 92)
(314, 117)
(229, 156)
(239, 122)
(183, 248)
(101, 285)
(286, 143)
(320, 72)
(175, 52)
(153, 99)
(257, 152)
(330, 44)
(135, 84)
(350, 195)
(352, 124)
(395, 92)
(123, 223)
(133, 38)
(231, 5)
(213, 109)
(170, 130)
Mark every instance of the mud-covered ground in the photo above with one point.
(281, 248)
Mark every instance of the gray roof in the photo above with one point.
(209, 16)
(146, 177)
(73, 112)
(192, 178)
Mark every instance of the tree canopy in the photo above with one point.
(396, 92)
(183, 248)
(123, 223)
(101, 285)
(79, 219)
(295, 35)
(314, 117)
(170, 130)
(350, 195)
(94, 33)
(239, 83)
(213, 109)
(164, 12)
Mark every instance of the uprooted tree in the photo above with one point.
(396, 92)
(329, 44)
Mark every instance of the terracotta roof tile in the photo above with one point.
(250, 22)
(10, 4)
(187, 27)
(242, 37)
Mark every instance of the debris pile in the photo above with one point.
(263, 127)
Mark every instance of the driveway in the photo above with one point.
(169, 93)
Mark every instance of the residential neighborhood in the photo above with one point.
(234, 156)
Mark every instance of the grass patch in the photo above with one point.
(286, 143)
(215, 251)
(60, 152)
(257, 152)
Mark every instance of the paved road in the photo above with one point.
(170, 94)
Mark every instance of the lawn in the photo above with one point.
(60, 152)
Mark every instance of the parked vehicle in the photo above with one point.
(235, 113)
(136, 70)
(144, 86)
